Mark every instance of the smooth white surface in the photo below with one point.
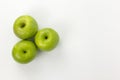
(89, 47)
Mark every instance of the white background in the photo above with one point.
(89, 48)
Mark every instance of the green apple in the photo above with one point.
(25, 27)
(46, 39)
(24, 51)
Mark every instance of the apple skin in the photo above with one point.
(46, 39)
(25, 27)
(24, 51)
